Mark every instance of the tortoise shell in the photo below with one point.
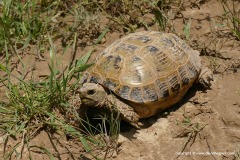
(147, 69)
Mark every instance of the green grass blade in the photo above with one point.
(187, 29)
(83, 60)
(83, 68)
(44, 151)
(7, 156)
(101, 36)
(161, 19)
(85, 144)
(3, 68)
(4, 110)
(26, 43)
(71, 130)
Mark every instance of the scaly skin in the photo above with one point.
(94, 95)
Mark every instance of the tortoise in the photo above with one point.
(142, 74)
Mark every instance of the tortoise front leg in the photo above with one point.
(126, 112)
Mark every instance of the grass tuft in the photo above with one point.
(232, 16)
(35, 104)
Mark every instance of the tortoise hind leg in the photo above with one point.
(126, 112)
(205, 77)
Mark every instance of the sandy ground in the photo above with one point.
(205, 125)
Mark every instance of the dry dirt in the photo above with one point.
(205, 125)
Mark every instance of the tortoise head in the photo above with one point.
(92, 94)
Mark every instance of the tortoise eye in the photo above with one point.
(91, 92)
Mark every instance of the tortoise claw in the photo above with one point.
(206, 77)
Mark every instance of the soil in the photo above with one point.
(205, 125)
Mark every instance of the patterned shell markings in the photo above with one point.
(146, 66)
